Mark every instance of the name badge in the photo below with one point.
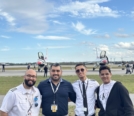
(54, 107)
(29, 113)
(84, 109)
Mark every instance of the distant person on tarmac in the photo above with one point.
(45, 71)
(133, 67)
(34, 67)
(3, 67)
(28, 67)
(128, 68)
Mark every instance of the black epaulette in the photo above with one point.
(13, 89)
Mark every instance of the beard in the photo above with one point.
(57, 78)
(29, 84)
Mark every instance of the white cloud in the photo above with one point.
(3, 36)
(8, 17)
(121, 35)
(132, 14)
(107, 36)
(88, 9)
(4, 49)
(52, 37)
(121, 29)
(81, 28)
(57, 22)
(121, 55)
(28, 16)
(125, 45)
(103, 47)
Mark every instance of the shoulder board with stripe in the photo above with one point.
(75, 81)
(92, 80)
(13, 89)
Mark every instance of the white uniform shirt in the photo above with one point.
(17, 101)
(104, 92)
(90, 91)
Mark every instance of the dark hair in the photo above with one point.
(80, 64)
(55, 65)
(104, 68)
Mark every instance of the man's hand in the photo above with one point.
(3, 113)
(69, 100)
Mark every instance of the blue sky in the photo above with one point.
(70, 30)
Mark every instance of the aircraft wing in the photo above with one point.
(3, 63)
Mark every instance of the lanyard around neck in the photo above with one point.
(30, 101)
(56, 88)
(54, 91)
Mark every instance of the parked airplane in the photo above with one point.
(41, 61)
(4, 63)
(102, 60)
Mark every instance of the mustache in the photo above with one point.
(30, 80)
(55, 75)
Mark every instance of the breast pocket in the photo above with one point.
(23, 104)
(90, 91)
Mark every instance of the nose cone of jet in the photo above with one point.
(104, 61)
(39, 62)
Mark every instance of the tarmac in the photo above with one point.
(65, 72)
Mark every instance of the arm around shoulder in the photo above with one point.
(72, 94)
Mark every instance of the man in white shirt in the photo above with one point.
(23, 100)
(85, 92)
(112, 97)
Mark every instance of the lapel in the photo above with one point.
(110, 95)
(99, 98)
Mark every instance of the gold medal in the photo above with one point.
(54, 108)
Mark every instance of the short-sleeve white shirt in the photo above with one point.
(91, 87)
(17, 101)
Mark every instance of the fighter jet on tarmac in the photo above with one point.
(102, 60)
(41, 61)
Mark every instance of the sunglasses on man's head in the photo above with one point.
(78, 70)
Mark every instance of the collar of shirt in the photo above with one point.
(110, 83)
(24, 91)
(86, 81)
(49, 80)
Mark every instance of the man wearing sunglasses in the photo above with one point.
(23, 100)
(85, 92)
(55, 92)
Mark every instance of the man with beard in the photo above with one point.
(55, 92)
(113, 98)
(23, 100)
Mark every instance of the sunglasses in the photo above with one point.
(35, 100)
(78, 70)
